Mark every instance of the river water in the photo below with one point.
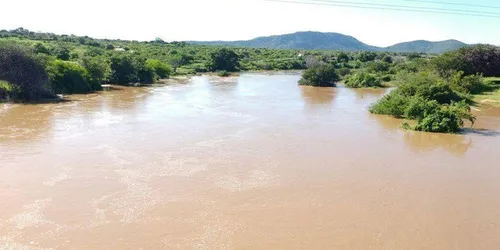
(248, 162)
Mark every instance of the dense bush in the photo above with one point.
(98, 71)
(161, 69)
(68, 78)
(343, 71)
(479, 59)
(23, 72)
(224, 59)
(320, 76)
(387, 59)
(362, 79)
(428, 99)
(467, 84)
(367, 56)
(445, 119)
(378, 66)
(124, 69)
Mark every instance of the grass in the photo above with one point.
(492, 95)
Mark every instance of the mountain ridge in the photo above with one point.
(313, 40)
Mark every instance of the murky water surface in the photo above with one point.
(253, 162)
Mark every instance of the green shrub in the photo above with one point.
(9, 91)
(387, 59)
(68, 78)
(393, 104)
(320, 76)
(98, 71)
(362, 79)
(445, 119)
(478, 59)
(162, 70)
(428, 99)
(473, 84)
(147, 74)
(125, 69)
(224, 59)
(376, 67)
(343, 71)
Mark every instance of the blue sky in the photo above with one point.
(245, 19)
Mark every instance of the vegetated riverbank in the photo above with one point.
(74, 64)
(434, 91)
(491, 96)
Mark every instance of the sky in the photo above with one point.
(207, 20)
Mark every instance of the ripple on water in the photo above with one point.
(32, 215)
(139, 198)
(257, 179)
(57, 179)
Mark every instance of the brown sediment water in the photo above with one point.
(248, 162)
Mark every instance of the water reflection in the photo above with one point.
(370, 93)
(20, 123)
(318, 96)
(420, 141)
(388, 123)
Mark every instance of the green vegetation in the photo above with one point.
(8, 91)
(433, 91)
(363, 79)
(323, 75)
(23, 76)
(68, 77)
(224, 59)
(438, 100)
(491, 95)
(82, 64)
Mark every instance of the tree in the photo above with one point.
(41, 49)
(20, 69)
(179, 59)
(362, 79)
(68, 77)
(161, 69)
(312, 61)
(367, 56)
(479, 59)
(387, 59)
(98, 70)
(343, 57)
(224, 59)
(320, 76)
(124, 69)
(62, 53)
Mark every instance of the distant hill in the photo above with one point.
(311, 40)
(422, 46)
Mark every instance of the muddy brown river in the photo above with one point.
(248, 162)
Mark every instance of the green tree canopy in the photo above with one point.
(224, 59)
(320, 76)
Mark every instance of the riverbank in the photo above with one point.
(492, 96)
